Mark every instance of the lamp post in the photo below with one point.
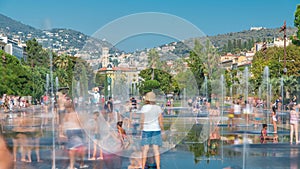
(283, 29)
(285, 69)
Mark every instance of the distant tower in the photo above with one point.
(105, 55)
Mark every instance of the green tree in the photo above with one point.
(164, 79)
(297, 24)
(275, 61)
(239, 43)
(19, 79)
(62, 61)
(36, 55)
(154, 61)
(195, 63)
(186, 80)
(148, 86)
(229, 46)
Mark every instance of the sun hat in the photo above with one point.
(150, 96)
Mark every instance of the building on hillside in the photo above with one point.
(244, 61)
(279, 42)
(257, 28)
(105, 57)
(124, 73)
(228, 60)
(13, 47)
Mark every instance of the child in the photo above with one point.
(274, 119)
(264, 137)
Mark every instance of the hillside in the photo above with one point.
(257, 35)
(246, 38)
(71, 41)
(11, 27)
(60, 40)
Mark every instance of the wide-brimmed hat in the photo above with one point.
(150, 96)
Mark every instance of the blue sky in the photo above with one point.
(210, 16)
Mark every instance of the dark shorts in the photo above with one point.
(75, 138)
(61, 111)
(151, 138)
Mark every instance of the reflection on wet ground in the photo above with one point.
(192, 142)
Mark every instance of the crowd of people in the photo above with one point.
(108, 128)
(111, 122)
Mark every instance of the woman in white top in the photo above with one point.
(294, 124)
(151, 126)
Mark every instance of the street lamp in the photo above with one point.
(283, 29)
(285, 69)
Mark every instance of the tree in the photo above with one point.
(62, 61)
(164, 79)
(297, 24)
(195, 63)
(19, 79)
(229, 46)
(148, 86)
(275, 63)
(186, 80)
(154, 61)
(36, 55)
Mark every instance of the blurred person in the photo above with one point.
(230, 122)
(96, 96)
(152, 128)
(109, 107)
(124, 138)
(61, 110)
(274, 119)
(19, 138)
(264, 138)
(111, 144)
(96, 136)
(135, 160)
(133, 103)
(75, 135)
(294, 124)
(6, 161)
(237, 111)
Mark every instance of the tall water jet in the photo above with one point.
(266, 83)
(222, 84)
(282, 98)
(205, 87)
(119, 89)
(52, 110)
(56, 84)
(247, 109)
(246, 78)
(47, 84)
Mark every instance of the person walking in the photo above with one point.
(152, 128)
(237, 112)
(294, 124)
(96, 136)
(274, 119)
(74, 133)
(109, 107)
(61, 110)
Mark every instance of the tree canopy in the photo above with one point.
(297, 25)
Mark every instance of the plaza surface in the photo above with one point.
(208, 143)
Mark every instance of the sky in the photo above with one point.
(212, 17)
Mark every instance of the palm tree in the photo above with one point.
(62, 61)
(153, 59)
(291, 85)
